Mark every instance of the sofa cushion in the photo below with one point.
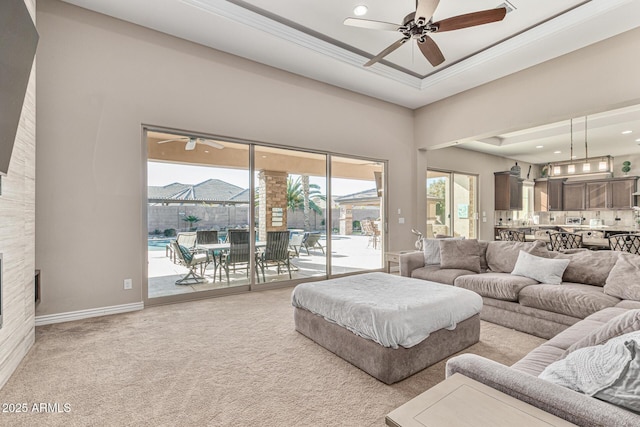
(619, 325)
(434, 273)
(538, 359)
(482, 251)
(544, 270)
(502, 286)
(502, 255)
(624, 279)
(628, 304)
(460, 254)
(588, 267)
(572, 299)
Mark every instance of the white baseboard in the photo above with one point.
(85, 314)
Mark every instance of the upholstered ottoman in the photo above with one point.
(389, 326)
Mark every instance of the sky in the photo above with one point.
(160, 174)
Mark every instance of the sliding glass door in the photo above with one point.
(225, 216)
(290, 194)
(452, 204)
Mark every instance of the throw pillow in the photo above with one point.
(186, 253)
(431, 249)
(544, 270)
(619, 325)
(588, 267)
(502, 255)
(609, 372)
(460, 254)
(624, 279)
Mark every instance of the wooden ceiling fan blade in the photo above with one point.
(425, 10)
(210, 143)
(371, 25)
(386, 52)
(431, 51)
(471, 19)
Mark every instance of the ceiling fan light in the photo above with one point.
(360, 10)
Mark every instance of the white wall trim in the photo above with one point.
(69, 316)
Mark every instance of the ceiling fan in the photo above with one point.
(191, 142)
(419, 24)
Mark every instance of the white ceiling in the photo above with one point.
(308, 37)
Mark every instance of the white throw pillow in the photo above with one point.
(544, 270)
(609, 372)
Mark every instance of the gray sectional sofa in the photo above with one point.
(519, 302)
(597, 298)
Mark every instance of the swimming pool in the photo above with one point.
(157, 244)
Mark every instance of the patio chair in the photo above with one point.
(275, 253)
(238, 253)
(625, 243)
(371, 229)
(592, 234)
(192, 261)
(512, 235)
(205, 237)
(295, 243)
(562, 240)
(187, 239)
(312, 241)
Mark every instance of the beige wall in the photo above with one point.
(597, 78)
(100, 79)
(594, 79)
(17, 238)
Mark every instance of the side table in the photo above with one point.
(462, 402)
(393, 257)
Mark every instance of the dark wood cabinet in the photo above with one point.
(610, 194)
(573, 196)
(508, 191)
(547, 195)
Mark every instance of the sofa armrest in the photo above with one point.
(410, 261)
(562, 402)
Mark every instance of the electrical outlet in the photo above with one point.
(400, 220)
(128, 284)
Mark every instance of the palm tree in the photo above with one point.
(305, 200)
(191, 219)
(296, 195)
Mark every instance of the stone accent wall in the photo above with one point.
(273, 196)
(17, 238)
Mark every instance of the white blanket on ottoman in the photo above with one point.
(390, 310)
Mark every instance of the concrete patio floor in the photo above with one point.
(349, 253)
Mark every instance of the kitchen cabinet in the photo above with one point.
(508, 191)
(547, 195)
(573, 196)
(610, 194)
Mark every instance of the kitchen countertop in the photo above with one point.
(572, 226)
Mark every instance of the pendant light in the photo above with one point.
(586, 166)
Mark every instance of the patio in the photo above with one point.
(349, 253)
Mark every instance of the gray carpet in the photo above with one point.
(232, 361)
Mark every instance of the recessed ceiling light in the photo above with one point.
(539, 146)
(557, 152)
(627, 132)
(360, 10)
(638, 140)
(574, 157)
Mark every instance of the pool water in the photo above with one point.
(157, 244)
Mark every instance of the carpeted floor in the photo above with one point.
(232, 361)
